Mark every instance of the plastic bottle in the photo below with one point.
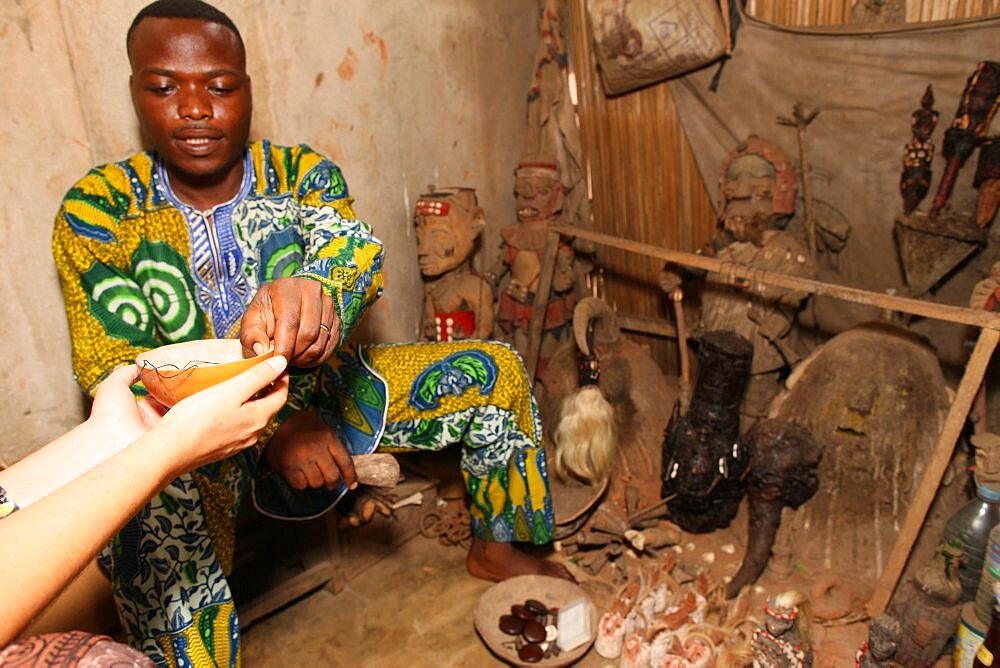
(971, 526)
(988, 652)
(990, 575)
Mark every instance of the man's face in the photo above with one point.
(748, 192)
(539, 195)
(443, 243)
(191, 93)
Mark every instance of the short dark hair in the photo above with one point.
(183, 9)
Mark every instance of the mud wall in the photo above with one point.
(400, 95)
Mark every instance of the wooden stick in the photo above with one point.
(965, 316)
(800, 121)
(940, 458)
(645, 324)
(541, 303)
(684, 381)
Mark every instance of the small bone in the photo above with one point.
(414, 499)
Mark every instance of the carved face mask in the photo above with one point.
(539, 194)
(987, 447)
(446, 232)
(748, 196)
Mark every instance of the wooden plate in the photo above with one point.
(553, 592)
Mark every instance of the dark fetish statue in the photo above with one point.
(704, 460)
(783, 461)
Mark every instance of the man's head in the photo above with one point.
(538, 190)
(190, 90)
(448, 221)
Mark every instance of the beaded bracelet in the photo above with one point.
(6, 505)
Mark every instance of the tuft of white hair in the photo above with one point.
(586, 438)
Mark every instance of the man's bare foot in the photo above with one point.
(499, 561)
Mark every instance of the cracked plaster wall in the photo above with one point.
(399, 94)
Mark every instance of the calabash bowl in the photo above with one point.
(177, 371)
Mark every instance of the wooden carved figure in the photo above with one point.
(969, 128)
(919, 153)
(883, 638)
(539, 194)
(756, 199)
(458, 303)
(927, 607)
(782, 641)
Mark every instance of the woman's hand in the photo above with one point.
(223, 419)
(117, 417)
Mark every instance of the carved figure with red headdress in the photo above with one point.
(458, 303)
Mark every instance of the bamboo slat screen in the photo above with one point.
(643, 179)
(835, 12)
(644, 183)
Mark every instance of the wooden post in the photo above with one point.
(541, 303)
(940, 457)
(959, 314)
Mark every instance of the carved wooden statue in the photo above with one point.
(919, 154)
(539, 194)
(927, 607)
(878, 651)
(970, 127)
(756, 199)
(782, 641)
(458, 303)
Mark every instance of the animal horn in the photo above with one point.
(605, 323)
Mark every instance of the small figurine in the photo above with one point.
(969, 128)
(986, 293)
(539, 194)
(458, 303)
(782, 641)
(928, 609)
(884, 634)
(919, 153)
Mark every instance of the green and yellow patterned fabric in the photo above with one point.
(140, 269)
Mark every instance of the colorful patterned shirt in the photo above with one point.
(140, 269)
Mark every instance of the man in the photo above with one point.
(207, 235)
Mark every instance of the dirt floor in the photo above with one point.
(415, 608)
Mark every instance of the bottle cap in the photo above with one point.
(988, 492)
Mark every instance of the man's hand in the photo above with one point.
(298, 316)
(307, 454)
